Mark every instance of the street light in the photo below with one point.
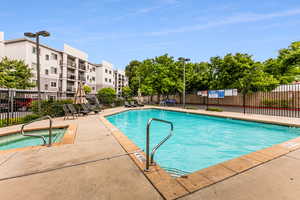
(37, 37)
(184, 60)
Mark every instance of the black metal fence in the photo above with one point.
(282, 101)
(16, 104)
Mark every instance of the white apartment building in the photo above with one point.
(105, 75)
(60, 71)
(120, 81)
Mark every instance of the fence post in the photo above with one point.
(244, 99)
(207, 100)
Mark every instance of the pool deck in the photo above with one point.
(96, 166)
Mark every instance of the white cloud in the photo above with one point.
(242, 18)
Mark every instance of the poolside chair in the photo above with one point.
(138, 104)
(91, 108)
(85, 109)
(68, 112)
(133, 104)
(127, 105)
(73, 110)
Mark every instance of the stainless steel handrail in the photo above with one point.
(149, 159)
(40, 136)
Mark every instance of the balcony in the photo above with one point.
(71, 77)
(81, 78)
(71, 64)
(71, 89)
(82, 66)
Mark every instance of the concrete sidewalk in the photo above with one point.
(60, 172)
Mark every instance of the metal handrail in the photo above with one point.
(150, 160)
(40, 136)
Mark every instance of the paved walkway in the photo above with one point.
(63, 172)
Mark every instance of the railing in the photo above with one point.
(40, 136)
(82, 66)
(150, 158)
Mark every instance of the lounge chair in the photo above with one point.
(68, 112)
(127, 105)
(85, 109)
(74, 111)
(132, 103)
(138, 104)
(95, 108)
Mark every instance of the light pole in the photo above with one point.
(183, 60)
(37, 37)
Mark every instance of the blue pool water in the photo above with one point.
(199, 141)
(18, 141)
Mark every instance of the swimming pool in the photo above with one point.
(199, 141)
(18, 141)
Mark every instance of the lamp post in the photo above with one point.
(37, 38)
(183, 60)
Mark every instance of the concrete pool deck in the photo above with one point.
(97, 167)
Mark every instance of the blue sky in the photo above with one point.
(122, 30)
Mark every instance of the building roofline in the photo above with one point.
(33, 42)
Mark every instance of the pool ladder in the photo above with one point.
(40, 136)
(150, 157)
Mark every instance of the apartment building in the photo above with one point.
(105, 75)
(60, 71)
(120, 80)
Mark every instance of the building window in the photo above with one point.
(105, 70)
(46, 86)
(93, 78)
(47, 57)
(46, 71)
(34, 50)
(53, 84)
(94, 69)
(54, 56)
(109, 72)
(93, 88)
(105, 79)
(110, 80)
(53, 70)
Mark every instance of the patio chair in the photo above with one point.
(127, 105)
(74, 111)
(133, 104)
(85, 109)
(68, 112)
(138, 104)
(96, 108)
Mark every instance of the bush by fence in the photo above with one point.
(50, 107)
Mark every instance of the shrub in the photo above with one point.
(106, 96)
(119, 102)
(22, 120)
(29, 118)
(215, 109)
(50, 107)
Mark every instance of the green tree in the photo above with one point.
(242, 72)
(132, 74)
(286, 67)
(15, 74)
(87, 89)
(126, 92)
(106, 95)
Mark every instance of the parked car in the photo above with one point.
(23, 104)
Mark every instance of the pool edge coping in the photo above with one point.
(173, 188)
(69, 137)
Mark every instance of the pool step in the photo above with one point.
(175, 172)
